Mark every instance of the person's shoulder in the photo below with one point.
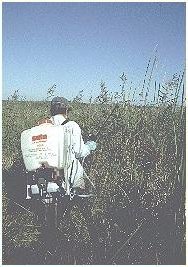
(73, 127)
(73, 124)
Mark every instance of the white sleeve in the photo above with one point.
(80, 149)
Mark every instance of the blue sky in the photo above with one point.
(78, 45)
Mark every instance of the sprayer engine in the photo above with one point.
(44, 183)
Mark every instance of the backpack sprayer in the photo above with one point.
(44, 184)
(44, 146)
(44, 158)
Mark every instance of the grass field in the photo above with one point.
(138, 169)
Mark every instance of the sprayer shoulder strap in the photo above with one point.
(67, 120)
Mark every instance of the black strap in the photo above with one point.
(67, 120)
(70, 183)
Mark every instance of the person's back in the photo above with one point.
(56, 144)
(73, 141)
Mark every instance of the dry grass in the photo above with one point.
(138, 170)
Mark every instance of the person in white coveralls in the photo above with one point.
(74, 173)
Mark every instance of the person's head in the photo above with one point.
(59, 105)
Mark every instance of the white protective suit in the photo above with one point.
(77, 150)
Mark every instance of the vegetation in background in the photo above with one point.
(138, 170)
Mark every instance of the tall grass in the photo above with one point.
(138, 170)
